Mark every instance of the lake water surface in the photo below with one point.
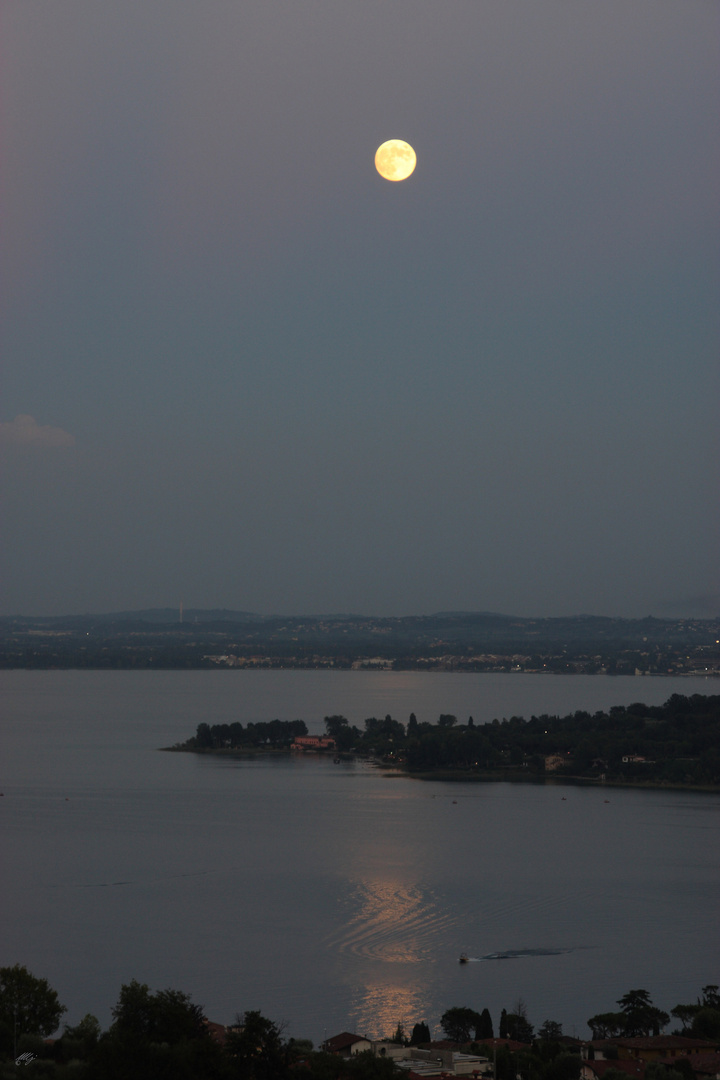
(331, 896)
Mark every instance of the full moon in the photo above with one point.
(395, 159)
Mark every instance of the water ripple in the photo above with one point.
(393, 922)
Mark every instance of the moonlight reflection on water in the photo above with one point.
(395, 923)
(390, 928)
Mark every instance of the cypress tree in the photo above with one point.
(420, 1034)
(484, 1029)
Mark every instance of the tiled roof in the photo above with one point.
(699, 1063)
(510, 1044)
(216, 1031)
(632, 1068)
(343, 1040)
(663, 1042)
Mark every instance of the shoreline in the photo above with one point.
(452, 775)
(434, 669)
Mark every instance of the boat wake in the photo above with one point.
(516, 954)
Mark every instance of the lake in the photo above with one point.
(331, 896)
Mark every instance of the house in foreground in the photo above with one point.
(414, 1062)
(346, 1044)
(595, 1070)
(646, 1048)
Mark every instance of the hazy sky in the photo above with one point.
(242, 370)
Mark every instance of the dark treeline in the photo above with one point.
(164, 1035)
(547, 1054)
(273, 733)
(637, 1017)
(155, 1036)
(675, 743)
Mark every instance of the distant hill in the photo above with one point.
(166, 616)
(449, 641)
(172, 615)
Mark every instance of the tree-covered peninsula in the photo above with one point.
(676, 744)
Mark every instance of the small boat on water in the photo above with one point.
(464, 958)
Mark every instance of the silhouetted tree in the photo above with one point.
(709, 999)
(28, 1006)
(641, 1016)
(169, 1016)
(339, 729)
(203, 738)
(256, 1049)
(484, 1029)
(564, 1067)
(155, 1036)
(459, 1023)
(420, 1034)
(519, 1028)
(606, 1025)
(79, 1041)
(706, 1024)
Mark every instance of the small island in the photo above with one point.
(674, 745)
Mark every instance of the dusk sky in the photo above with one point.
(243, 370)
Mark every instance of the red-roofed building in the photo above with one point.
(508, 1044)
(595, 1070)
(217, 1032)
(654, 1047)
(646, 1048)
(346, 1044)
(703, 1065)
(313, 742)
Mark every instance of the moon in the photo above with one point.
(395, 159)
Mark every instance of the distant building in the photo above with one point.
(218, 1032)
(313, 742)
(374, 663)
(553, 762)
